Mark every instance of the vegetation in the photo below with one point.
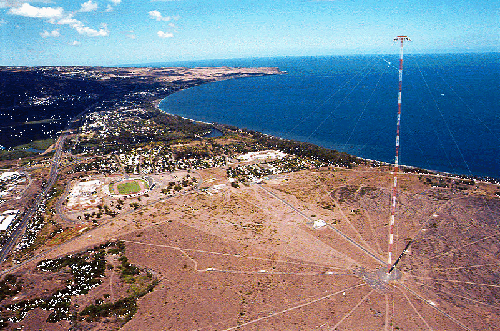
(446, 182)
(87, 270)
(9, 287)
(124, 307)
(303, 149)
(128, 187)
(65, 97)
(127, 269)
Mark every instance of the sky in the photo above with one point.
(114, 32)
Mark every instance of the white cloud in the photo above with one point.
(2, 22)
(75, 43)
(88, 6)
(110, 8)
(85, 30)
(27, 10)
(18, 3)
(162, 34)
(156, 15)
(47, 34)
(58, 16)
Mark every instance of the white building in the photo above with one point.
(6, 221)
(9, 175)
(7, 217)
(318, 224)
(261, 155)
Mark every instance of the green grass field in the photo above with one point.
(128, 188)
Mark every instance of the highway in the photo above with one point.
(30, 211)
(28, 214)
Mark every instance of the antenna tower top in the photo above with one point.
(402, 38)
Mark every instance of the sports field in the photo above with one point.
(128, 187)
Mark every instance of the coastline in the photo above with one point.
(376, 163)
(263, 104)
(234, 73)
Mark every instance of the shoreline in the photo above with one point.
(412, 169)
(404, 168)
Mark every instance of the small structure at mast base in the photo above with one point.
(379, 279)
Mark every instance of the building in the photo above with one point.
(6, 218)
(9, 175)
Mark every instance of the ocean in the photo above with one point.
(450, 106)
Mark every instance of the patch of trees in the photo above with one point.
(127, 269)
(9, 287)
(118, 248)
(178, 124)
(87, 270)
(15, 154)
(68, 97)
(304, 149)
(125, 141)
(124, 307)
(106, 210)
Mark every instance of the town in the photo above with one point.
(94, 162)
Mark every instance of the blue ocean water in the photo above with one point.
(450, 106)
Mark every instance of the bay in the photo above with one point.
(450, 120)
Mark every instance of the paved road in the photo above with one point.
(28, 214)
(30, 211)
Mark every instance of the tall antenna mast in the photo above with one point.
(390, 266)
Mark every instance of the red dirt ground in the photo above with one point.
(248, 259)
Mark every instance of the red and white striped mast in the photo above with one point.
(390, 266)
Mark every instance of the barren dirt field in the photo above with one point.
(249, 258)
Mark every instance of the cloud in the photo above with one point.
(75, 43)
(85, 30)
(47, 34)
(82, 29)
(18, 3)
(88, 6)
(162, 34)
(59, 17)
(110, 8)
(27, 10)
(2, 22)
(156, 15)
